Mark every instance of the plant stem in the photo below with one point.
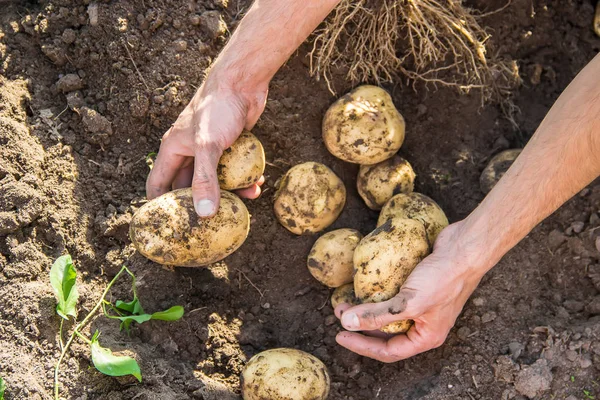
(83, 337)
(78, 327)
(60, 335)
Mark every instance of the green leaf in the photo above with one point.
(63, 279)
(172, 314)
(133, 307)
(2, 388)
(109, 364)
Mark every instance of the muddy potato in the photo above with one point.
(167, 230)
(285, 374)
(344, 294)
(384, 259)
(419, 207)
(310, 197)
(378, 183)
(242, 164)
(363, 126)
(496, 169)
(330, 259)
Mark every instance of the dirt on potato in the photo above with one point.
(86, 91)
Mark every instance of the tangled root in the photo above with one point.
(439, 42)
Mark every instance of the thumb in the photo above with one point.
(374, 316)
(205, 184)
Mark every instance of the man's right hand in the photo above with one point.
(190, 150)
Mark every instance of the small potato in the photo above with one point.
(309, 199)
(496, 169)
(242, 164)
(344, 294)
(363, 126)
(419, 207)
(378, 183)
(330, 259)
(384, 259)
(285, 374)
(167, 230)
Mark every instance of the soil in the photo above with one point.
(83, 101)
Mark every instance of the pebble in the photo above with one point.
(463, 333)
(69, 83)
(598, 243)
(574, 305)
(585, 362)
(69, 36)
(93, 14)
(330, 320)
(578, 226)
(195, 20)
(534, 379)
(594, 219)
(488, 317)
(555, 239)
(213, 24)
(515, 349)
(266, 306)
(478, 301)
(181, 45)
(571, 355)
(421, 110)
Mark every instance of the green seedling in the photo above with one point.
(588, 395)
(150, 159)
(63, 278)
(2, 388)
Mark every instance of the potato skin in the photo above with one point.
(384, 259)
(344, 294)
(419, 207)
(377, 183)
(309, 199)
(242, 164)
(330, 259)
(496, 169)
(363, 126)
(168, 231)
(285, 374)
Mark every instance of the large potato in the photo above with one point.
(363, 127)
(167, 230)
(310, 197)
(384, 259)
(285, 374)
(378, 183)
(242, 164)
(330, 259)
(344, 294)
(416, 206)
(496, 169)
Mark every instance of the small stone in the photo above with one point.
(515, 349)
(69, 36)
(598, 243)
(93, 14)
(159, 99)
(584, 192)
(463, 333)
(594, 219)
(421, 110)
(574, 305)
(555, 239)
(176, 24)
(69, 83)
(585, 362)
(195, 20)
(478, 301)
(571, 355)
(534, 379)
(180, 45)
(94, 122)
(213, 24)
(578, 226)
(266, 306)
(571, 397)
(330, 320)
(594, 306)
(488, 317)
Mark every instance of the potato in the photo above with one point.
(363, 127)
(378, 183)
(419, 207)
(285, 374)
(167, 229)
(384, 259)
(496, 169)
(344, 294)
(310, 197)
(330, 259)
(242, 164)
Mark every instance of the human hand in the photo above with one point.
(433, 296)
(190, 150)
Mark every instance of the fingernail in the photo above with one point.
(205, 208)
(350, 321)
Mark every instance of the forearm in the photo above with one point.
(561, 158)
(266, 37)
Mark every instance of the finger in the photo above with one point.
(205, 185)
(398, 348)
(251, 192)
(163, 173)
(184, 177)
(261, 180)
(341, 309)
(374, 316)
